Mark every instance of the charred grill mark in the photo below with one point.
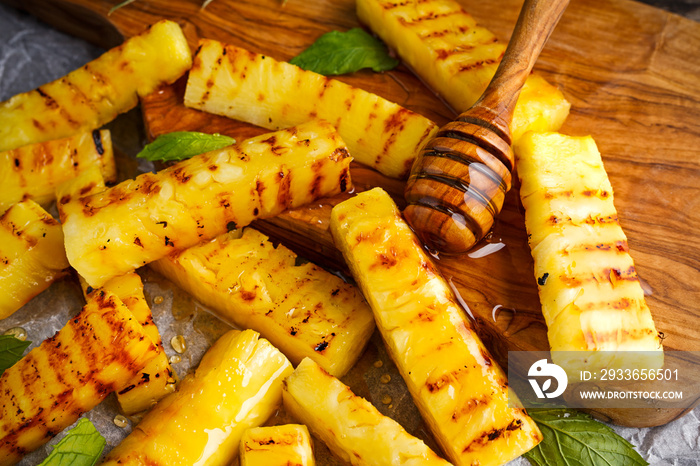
(470, 406)
(554, 194)
(86, 189)
(493, 434)
(259, 188)
(612, 275)
(590, 220)
(49, 101)
(321, 347)
(127, 389)
(97, 139)
(479, 64)
(180, 175)
(284, 195)
(38, 125)
(426, 17)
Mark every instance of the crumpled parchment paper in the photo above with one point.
(32, 53)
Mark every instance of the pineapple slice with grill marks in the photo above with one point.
(238, 385)
(35, 171)
(95, 353)
(351, 427)
(457, 58)
(283, 445)
(139, 221)
(239, 84)
(302, 309)
(31, 254)
(95, 94)
(591, 296)
(157, 379)
(459, 389)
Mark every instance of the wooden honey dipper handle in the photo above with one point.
(459, 180)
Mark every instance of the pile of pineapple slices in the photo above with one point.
(187, 223)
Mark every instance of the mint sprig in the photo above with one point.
(572, 438)
(180, 145)
(82, 446)
(345, 52)
(11, 351)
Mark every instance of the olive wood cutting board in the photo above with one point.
(630, 71)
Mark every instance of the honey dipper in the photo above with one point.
(459, 180)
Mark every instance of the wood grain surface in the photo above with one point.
(629, 70)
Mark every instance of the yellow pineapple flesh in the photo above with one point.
(31, 254)
(95, 353)
(142, 220)
(351, 426)
(34, 171)
(591, 296)
(457, 58)
(238, 385)
(283, 445)
(95, 94)
(157, 379)
(239, 84)
(460, 390)
(301, 308)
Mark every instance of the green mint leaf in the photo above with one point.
(82, 446)
(11, 351)
(574, 438)
(345, 52)
(116, 7)
(182, 145)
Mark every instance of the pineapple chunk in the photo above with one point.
(157, 379)
(457, 58)
(459, 389)
(96, 352)
(142, 220)
(239, 84)
(238, 385)
(31, 254)
(590, 293)
(69, 192)
(95, 94)
(351, 427)
(285, 445)
(303, 310)
(34, 171)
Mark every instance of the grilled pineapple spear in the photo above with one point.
(351, 427)
(457, 58)
(34, 171)
(591, 296)
(284, 445)
(141, 220)
(302, 309)
(31, 254)
(239, 84)
(95, 94)
(96, 352)
(157, 379)
(238, 385)
(459, 389)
